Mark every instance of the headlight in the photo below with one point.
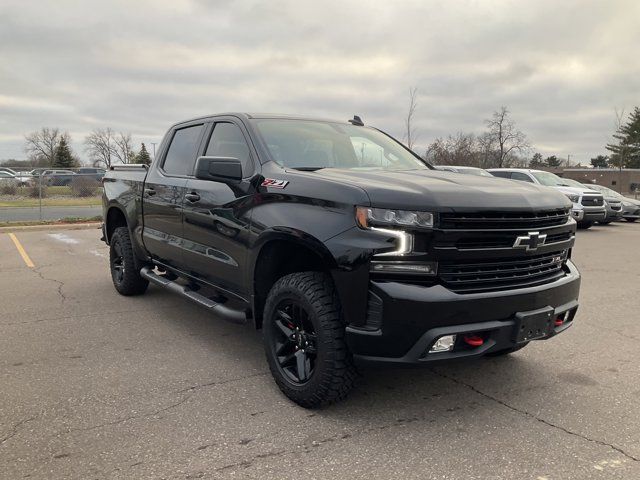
(368, 217)
(573, 198)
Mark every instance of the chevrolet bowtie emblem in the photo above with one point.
(531, 241)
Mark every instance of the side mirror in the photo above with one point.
(219, 169)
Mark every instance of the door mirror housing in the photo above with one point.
(219, 169)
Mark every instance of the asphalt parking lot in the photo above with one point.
(95, 385)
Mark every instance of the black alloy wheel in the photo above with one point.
(117, 262)
(125, 271)
(294, 341)
(304, 340)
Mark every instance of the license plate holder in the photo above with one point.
(534, 325)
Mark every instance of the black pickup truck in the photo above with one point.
(342, 245)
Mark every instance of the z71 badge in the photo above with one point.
(273, 183)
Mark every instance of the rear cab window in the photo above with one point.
(181, 155)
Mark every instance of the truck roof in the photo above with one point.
(249, 116)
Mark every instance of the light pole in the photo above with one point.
(154, 149)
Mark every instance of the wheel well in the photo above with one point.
(277, 259)
(115, 219)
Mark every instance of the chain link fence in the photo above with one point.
(50, 194)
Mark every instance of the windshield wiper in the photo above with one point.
(308, 169)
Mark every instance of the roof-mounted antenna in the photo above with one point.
(356, 121)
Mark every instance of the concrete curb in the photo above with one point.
(57, 226)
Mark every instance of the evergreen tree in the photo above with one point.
(536, 161)
(552, 161)
(626, 151)
(601, 161)
(143, 156)
(63, 158)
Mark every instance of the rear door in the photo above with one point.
(216, 226)
(163, 194)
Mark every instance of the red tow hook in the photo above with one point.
(559, 320)
(473, 340)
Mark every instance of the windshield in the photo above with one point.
(475, 171)
(573, 183)
(549, 179)
(604, 190)
(308, 144)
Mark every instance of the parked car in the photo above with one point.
(8, 170)
(24, 178)
(611, 203)
(588, 205)
(7, 178)
(464, 169)
(341, 244)
(18, 179)
(55, 178)
(630, 207)
(92, 173)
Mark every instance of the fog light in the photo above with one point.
(443, 344)
(422, 268)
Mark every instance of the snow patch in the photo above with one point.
(61, 237)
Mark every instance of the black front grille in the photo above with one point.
(505, 240)
(504, 220)
(506, 274)
(592, 200)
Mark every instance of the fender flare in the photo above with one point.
(288, 234)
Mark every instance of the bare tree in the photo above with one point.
(105, 147)
(122, 148)
(618, 149)
(459, 149)
(506, 138)
(42, 144)
(100, 145)
(411, 134)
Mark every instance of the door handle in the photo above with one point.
(149, 192)
(192, 197)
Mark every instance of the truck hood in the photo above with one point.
(443, 191)
(577, 191)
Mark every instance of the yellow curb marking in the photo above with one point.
(21, 251)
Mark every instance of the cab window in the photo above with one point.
(227, 140)
(521, 176)
(183, 150)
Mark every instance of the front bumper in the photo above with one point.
(413, 317)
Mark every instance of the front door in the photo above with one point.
(216, 222)
(163, 195)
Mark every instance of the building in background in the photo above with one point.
(625, 181)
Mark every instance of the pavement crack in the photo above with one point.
(15, 429)
(60, 283)
(131, 417)
(252, 460)
(535, 417)
(222, 382)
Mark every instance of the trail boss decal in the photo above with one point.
(273, 183)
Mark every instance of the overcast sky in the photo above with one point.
(138, 66)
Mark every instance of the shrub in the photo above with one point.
(84, 186)
(8, 188)
(34, 190)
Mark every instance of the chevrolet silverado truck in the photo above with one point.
(342, 245)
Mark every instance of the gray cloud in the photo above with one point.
(560, 67)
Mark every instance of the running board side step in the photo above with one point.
(235, 316)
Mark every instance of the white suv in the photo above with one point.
(588, 205)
